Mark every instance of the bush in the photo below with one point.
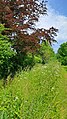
(62, 54)
(6, 53)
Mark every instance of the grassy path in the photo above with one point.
(37, 94)
(63, 96)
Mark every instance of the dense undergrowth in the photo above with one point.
(39, 93)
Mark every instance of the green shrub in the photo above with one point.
(6, 53)
(62, 54)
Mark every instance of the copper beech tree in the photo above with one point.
(21, 16)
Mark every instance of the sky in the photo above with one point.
(57, 17)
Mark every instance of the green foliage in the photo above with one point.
(46, 52)
(2, 28)
(37, 59)
(35, 94)
(6, 53)
(26, 61)
(62, 54)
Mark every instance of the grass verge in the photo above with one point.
(37, 94)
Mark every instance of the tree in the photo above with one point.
(62, 53)
(21, 16)
(46, 52)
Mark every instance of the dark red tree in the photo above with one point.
(21, 16)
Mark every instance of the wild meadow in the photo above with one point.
(33, 78)
(39, 93)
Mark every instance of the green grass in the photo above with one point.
(37, 94)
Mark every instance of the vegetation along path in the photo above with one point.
(40, 93)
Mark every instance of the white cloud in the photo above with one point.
(58, 21)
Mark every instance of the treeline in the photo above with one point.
(21, 43)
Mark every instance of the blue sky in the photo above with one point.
(59, 5)
(57, 17)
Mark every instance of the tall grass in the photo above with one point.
(35, 94)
